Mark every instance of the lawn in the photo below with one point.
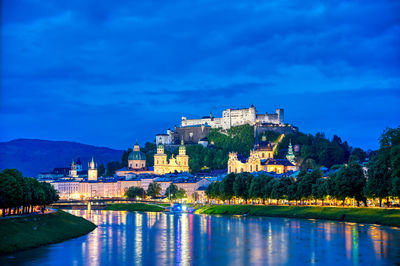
(32, 231)
(390, 217)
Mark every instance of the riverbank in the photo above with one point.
(389, 217)
(33, 231)
(134, 207)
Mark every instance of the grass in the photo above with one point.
(390, 217)
(134, 207)
(33, 231)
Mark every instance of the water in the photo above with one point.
(134, 238)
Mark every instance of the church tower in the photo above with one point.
(182, 159)
(73, 172)
(92, 171)
(290, 155)
(160, 160)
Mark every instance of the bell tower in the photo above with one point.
(182, 159)
(92, 171)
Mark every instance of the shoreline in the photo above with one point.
(26, 232)
(386, 217)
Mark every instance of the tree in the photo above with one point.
(305, 182)
(241, 186)
(384, 166)
(350, 181)
(320, 190)
(181, 194)
(172, 191)
(135, 192)
(101, 170)
(226, 187)
(280, 188)
(112, 167)
(154, 190)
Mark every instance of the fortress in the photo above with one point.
(195, 131)
(236, 117)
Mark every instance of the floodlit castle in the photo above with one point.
(237, 117)
(178, 164)
(261, 159)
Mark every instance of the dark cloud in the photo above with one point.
(142, 64)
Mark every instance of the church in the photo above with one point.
(163, 166)
(262, 159)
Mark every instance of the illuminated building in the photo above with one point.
(163, 166)
(92, 171)
(136, 163)
(236, 117)
(261, 159)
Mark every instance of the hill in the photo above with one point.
(32, 156)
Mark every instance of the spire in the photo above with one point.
(182, 148)
(290, 155)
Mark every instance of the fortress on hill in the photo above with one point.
(236, 117)
(195, 131)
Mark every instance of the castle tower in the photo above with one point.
(73, 172)
(160, 160)
(182, 159)
(92, 171)
(280, 114)
(136, 159)
(290, 155)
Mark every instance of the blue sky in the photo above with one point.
(110, 72)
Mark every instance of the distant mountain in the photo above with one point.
(32, 156)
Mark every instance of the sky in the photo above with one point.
(109, 73)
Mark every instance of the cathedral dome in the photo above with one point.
(137, 156)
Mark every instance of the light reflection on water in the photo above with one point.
(171, 239)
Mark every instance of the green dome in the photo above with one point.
(136, 156)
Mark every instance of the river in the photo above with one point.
(138, 238)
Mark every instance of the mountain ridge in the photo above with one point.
(32, 156)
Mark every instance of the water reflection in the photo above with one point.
(158, 238)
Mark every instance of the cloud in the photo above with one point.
(140, 59)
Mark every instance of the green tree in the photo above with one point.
(172, 191)
(101, 170)
(350, 181)
(241, 186)
(135, 192)
(226, 187)
(154, 190)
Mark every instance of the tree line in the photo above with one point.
(348, 181)
(154, 191)
(19, 194)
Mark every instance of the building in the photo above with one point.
(73, 172)
(116, 188)
(179, 164)
(261, 159)
(136, 163)
(92, 171)
(136, 159)
(192, 134)
(236, 117)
